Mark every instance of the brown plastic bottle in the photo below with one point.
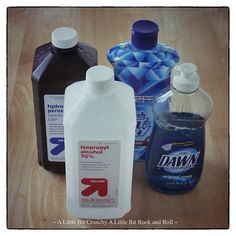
(56, 65)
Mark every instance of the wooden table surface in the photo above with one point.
(36, 197)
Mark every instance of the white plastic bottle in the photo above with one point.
(99, 126)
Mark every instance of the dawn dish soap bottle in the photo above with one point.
(176, 156)
(145, 65)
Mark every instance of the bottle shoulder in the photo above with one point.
(53, 65)
(88, 53)
(128, 53)
(82, 50)
(171, 93)
(170, 100)
(83, 104)
(41, 53)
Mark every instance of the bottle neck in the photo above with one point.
(99, 92)
(66, 51)
(174, 90)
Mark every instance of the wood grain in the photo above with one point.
(36, 198)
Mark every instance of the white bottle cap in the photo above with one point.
(64, 37)
(185, 78)
(99, 78)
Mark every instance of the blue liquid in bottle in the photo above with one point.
(176, 155)
(144, 64)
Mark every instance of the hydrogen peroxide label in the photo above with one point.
(99, 167)
(53, 106)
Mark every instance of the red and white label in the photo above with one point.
(95, 184)
(99, 166)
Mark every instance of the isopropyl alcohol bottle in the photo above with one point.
(56, 65)
(176, 156)
(99, 124)
(145, 64)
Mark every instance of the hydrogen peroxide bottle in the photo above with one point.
(144, 64)
(99, 124)
(56, 65)
(176, 156)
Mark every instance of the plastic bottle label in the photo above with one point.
(144, 127)
(53, 106)
(179, 164)
(176, 153)
(99, 167)
(180, 160)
